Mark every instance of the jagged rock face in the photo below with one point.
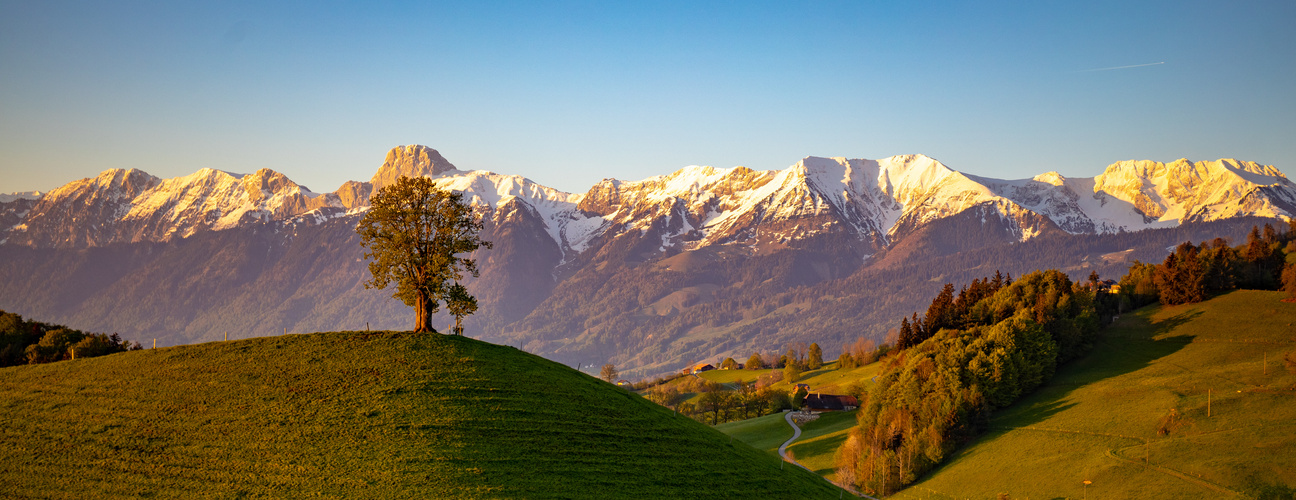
(412, 161)
(12, 213)
(130, 205)
(354, 194)
(866, 205)
(84, 213)
(1188, 191)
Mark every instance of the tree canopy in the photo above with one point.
(609, 372)
(416, 234)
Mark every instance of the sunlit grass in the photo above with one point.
(358, 414)
(1097, 420)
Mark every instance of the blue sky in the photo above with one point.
(567, 93)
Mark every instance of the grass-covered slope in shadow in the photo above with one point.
(1107, 418)
(358, 414)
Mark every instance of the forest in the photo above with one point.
(997, 339)
(32, 342)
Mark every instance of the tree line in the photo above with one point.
(996, 339)
(31, 342)
(1194, 272)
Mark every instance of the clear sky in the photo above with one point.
(567, 93)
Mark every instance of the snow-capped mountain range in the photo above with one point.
(649, 275)
(868, 202)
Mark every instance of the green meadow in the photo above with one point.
(816, 448)
(1173, 402)
(358, 415)
(1131, 417)
(828, 379)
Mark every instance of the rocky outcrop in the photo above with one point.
(413, 161)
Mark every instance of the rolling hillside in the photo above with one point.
(1099, 418)
(358, 414)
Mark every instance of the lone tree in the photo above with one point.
(608, 373)
(414, 233)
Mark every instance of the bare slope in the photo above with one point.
(358, 414)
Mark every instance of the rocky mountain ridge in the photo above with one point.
(646, 274)
(869, 202)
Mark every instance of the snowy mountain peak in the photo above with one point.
(414, 161)
(867, 204)
(1050, 178)
(116, 183)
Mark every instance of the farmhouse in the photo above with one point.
(830, 402)
(702, 367)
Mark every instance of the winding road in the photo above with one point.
(796, 433)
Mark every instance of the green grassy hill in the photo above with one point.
(1098, 419)
(358, 414)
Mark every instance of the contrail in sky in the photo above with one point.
(1120, 67)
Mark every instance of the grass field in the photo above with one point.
(828, 379)
(817, 447)
(358, 415)
(1097, 420)
(763, 433)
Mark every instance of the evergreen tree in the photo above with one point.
(906, 338)
(1181, 278)
(941, 312)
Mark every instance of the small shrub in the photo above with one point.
(1171, 423)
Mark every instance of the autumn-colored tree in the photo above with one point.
(1289, 280)
(608, 373)
(416, 235)
(755, 362)
(728, 364)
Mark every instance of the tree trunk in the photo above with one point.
(422, 314)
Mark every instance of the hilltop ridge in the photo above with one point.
(359, 414)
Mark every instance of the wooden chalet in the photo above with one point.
(703, 367)
(830, 402)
